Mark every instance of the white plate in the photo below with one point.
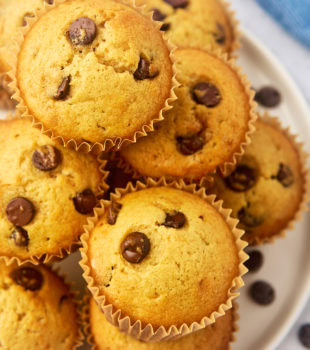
(287, 263)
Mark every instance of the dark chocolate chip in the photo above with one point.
(145, 70)
(20, 237)
(85, 201)
(242, 179)
(50, 2)
(82, 31)
(175, 220)
(29, 15)
(220, 35)
(135, 247)
(262, 293)
(63, 89)
(20, 211)
(304, 335)
(206, 94)
(190, 144)
(113, 211)
(285, 175)
(158, 16)
(248, 219)
(29, 278)
(46, 158)
(255, 262)
(268, 96)
(165, 27)
(177, 3)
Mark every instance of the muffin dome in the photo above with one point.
(46, 192)
(266, 189)
(163, 249)
(97, 67)
(37, 310)
(207, 125)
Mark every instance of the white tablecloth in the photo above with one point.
(296, 58)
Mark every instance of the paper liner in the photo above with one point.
(136, 329)
(90, 339)
(227, 167)
(6, 101)
(305, 172)
(115, 143)
(62, 252)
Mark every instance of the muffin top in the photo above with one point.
(37, 311)
(46, 191)
(107, 337)
(163, 249)
(206, 126)
(194, 23)
(98, 66)
(13, 15)
(267, 186)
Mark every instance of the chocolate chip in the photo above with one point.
(135, 247)
(158, 16)
(268, 96)
(20, 211)
(145, 70)
(113, 211)
(177, 3)
(220, 35)
(206, 94)
(285, 175)
(82, 31)
(28, 277)
(165, 27)
(175, 220)
(304, 335)
(20, 237)
(50, 2)
(262, 293)
(63, 89)
(46, 158)
(190, 144)
(248, 219)
(29, 15)
(255, 261)
(242, 179)
(85, 201)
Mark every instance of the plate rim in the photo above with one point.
(302, 297)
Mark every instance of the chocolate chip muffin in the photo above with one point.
(37, 310)
(266, 189)
(111, 61)
(46, 192)
(195, 23)
(208, 126)
(106, 337)
(164, 249)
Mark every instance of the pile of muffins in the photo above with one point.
(135, 138)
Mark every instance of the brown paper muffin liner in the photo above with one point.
(46, 258)
(115, 143)
(227, 167)
(90, 339)
(137, 329)
(305, 172)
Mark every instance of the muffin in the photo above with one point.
(164, 249)
(37, 310)
(196, 23)
(208, 126)
(46, 193)
(104, 336)
(268, 186)
(93, 62)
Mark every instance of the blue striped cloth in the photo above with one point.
(294, 15)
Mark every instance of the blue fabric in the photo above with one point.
(294, 15)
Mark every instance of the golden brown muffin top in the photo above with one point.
(163, 249)
(206, 126)
(37, 311)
